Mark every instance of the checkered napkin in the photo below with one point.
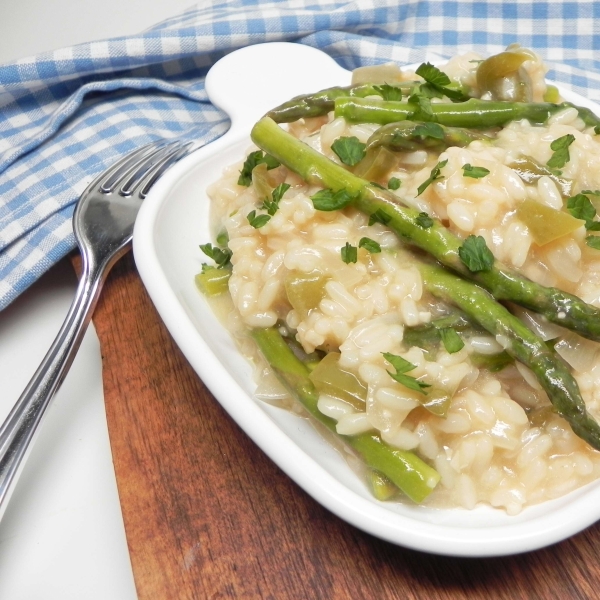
(67, 115)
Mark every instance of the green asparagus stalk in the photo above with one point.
(521, 343)
(557, 306)
(408, 136)
(320, 103)
(405, 469)
(473, 113)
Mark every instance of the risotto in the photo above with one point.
(387, 357)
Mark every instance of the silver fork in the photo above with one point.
(103, 226)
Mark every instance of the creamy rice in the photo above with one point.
(500, 443)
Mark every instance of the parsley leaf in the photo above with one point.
(475, 172)
(475, 254)
(423, 111)
(434, 176)
(581, 207)
(402, 366)
(371, 245)
(379, 216)
(561, 155)
(429, 130)
(272, 205)
(451, 340)
(593, 241)
(328, 200)
(222, 257)
(389, 92)
(349, 150)
(424, 220)
(253, 159)
(439, 81)
(394, 183)
(257, 221)
(349, 253)
(597, 129)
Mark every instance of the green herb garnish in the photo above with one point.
(222, 257)
(451, 340)
(475, 172)
(561, 155)
(581, 207)
(394, 183)
(389, 92)
(328, 200)
(349, 150)
(349, 253)
(429, 130)
(439, 81)
(379, 216)
(402, 366)
(371, 245)
(593, 241)
(253, 159)
(434, 176)
(272, 205)
(475, 254)
(257, 221)
(424, 220)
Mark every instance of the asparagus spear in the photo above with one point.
(522, 344)
(405, 469)
(410, 135)
(473, 113)
(557, 306)
(320, 103)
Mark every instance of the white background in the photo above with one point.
(62, 536)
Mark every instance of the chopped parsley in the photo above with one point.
(254, 159)
(221, 256)
(257, 221)
(328, 200)
(581, 207)
(394, 183)
(451, 340)
(475, 254)
(423, 111)
(371, 245)
(379, 216)
(434, 176)
(349, 150)
(389, 92)
(593, 241)
(349, 253)
(401, 367)
(475, 172)
(560, 148)
(272, 205)
(440, 82)
(424, 220)
(429, 130)
(597, 129)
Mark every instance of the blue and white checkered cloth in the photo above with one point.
(67, 115)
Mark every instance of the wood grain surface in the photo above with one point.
(207, 515)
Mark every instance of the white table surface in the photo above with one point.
(62, 536)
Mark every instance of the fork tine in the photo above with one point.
(148, 163)
(159, 168)
(114, 175)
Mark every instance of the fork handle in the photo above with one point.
(19, 428)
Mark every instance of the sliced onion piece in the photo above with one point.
(539, 324)
(578, 352)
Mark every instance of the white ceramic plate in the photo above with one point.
(174, 221)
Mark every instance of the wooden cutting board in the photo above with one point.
(207, 515)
